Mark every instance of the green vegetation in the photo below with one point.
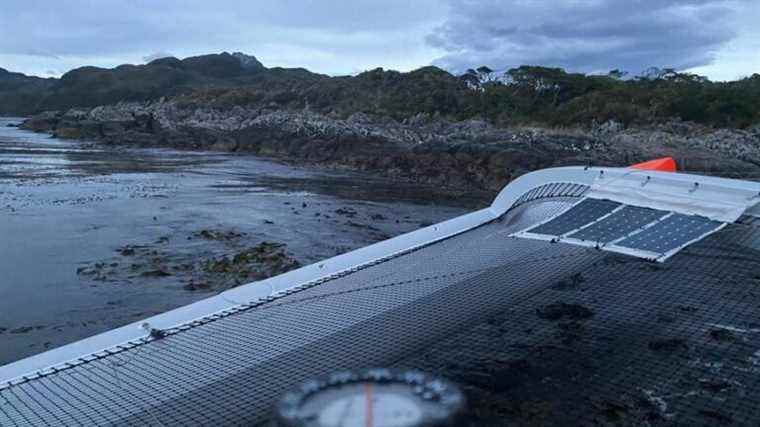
(552, 96)
(522, 96)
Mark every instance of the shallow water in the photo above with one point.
(68, 204)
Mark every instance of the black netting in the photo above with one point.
(537, 333)
(621, 341)
(552, 190)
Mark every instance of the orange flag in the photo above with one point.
(665, 164)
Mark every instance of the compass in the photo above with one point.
(372, 398)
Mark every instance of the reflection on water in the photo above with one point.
(69, 204)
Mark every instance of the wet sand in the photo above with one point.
(68, 211)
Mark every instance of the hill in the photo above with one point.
(93, 86)
(18, 92)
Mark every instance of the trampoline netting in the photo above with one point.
(535, 332)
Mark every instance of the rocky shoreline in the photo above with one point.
(469, 154)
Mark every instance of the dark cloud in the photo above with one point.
(585, 35)
(343, 36)
(331, 36)
(108, 27)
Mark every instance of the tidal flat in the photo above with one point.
(95, 237)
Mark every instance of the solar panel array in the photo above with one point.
(612, 226)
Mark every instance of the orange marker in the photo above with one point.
(665, 164)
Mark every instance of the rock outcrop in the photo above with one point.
(464, 154)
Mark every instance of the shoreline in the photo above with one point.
(462, 156)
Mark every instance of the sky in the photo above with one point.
(716, 38)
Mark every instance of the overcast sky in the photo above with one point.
(718, 38)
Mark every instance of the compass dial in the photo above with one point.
(372, 398)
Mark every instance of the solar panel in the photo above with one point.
(671, 233)
(618, 225)
(585, 212)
